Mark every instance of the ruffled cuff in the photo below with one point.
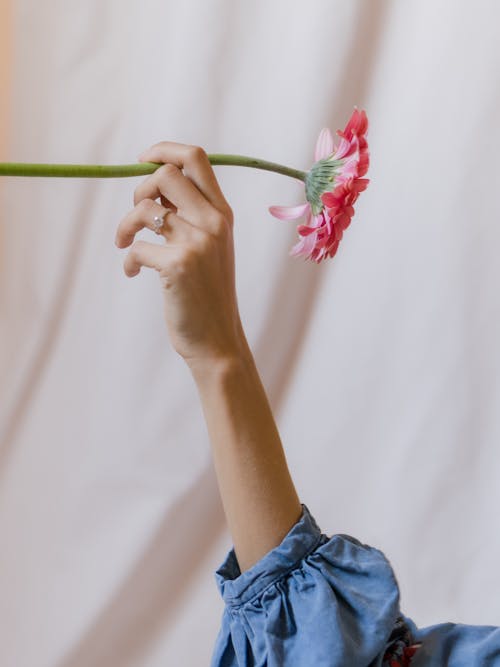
(313, 599)
(237, 588)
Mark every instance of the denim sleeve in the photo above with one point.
(456, 645)
(312, 600)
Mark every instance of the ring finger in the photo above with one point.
(174, 229)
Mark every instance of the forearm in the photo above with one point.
(257, 491)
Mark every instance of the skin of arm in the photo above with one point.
(257, 491)
(197, 270)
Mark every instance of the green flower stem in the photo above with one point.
(140, 169)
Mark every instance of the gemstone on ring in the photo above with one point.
(158, 221)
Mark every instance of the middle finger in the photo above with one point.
(169, 181)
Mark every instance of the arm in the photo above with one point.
(196, 267)
(257, 491)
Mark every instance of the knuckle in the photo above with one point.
(137, 194)
(196, 153)
(147, 204)
(166, 279)
(168, 169)
(218, 222)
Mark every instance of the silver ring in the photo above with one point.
(159, 220)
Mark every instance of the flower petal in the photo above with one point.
(342, 149)
(304, 247)
(304, 230)
(324, 144)
(357, 123)
(361, 184)
(349, 160)
(289, 212)
(329, 199)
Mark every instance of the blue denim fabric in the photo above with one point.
(456, 645)
(319, 601)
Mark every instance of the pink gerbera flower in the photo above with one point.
(332, 185)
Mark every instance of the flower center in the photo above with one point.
(319, 179)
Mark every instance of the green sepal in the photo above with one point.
(319, 179)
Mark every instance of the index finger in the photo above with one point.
(196, 165)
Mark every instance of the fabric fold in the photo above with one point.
(313, 599)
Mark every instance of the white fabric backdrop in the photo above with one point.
(382, 366)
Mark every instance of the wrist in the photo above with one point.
(239, 356)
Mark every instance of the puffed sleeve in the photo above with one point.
(311, 601)
(456, 645)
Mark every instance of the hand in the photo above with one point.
(196, 265)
